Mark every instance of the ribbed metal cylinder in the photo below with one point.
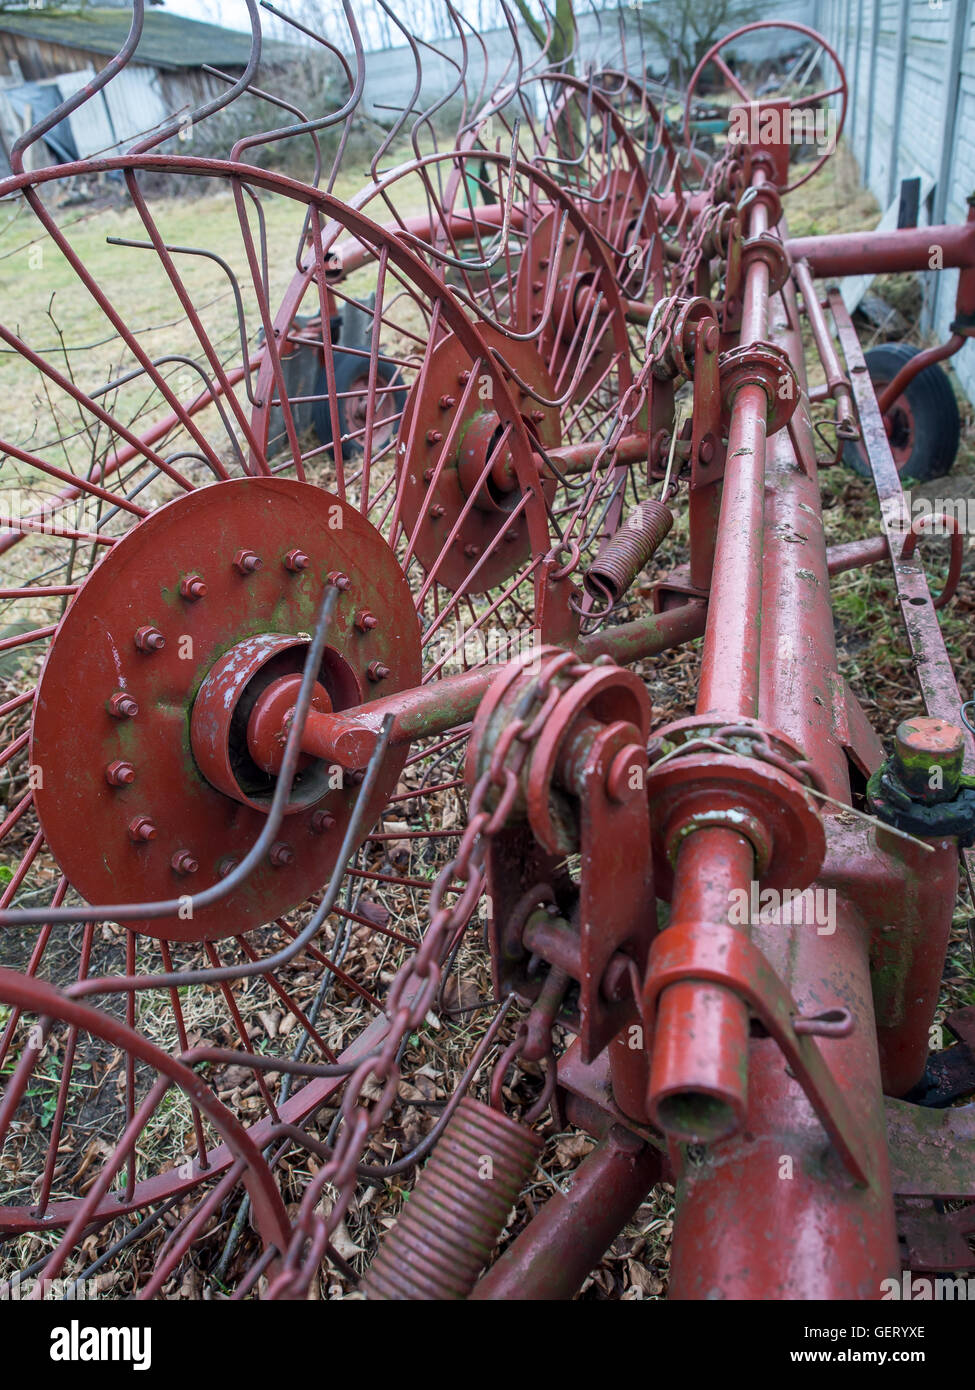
(458, 1208)
(628, 551)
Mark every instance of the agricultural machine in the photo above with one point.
(335, 586)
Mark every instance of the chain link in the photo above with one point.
(414, 989)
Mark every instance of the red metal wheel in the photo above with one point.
(162, 583)
(186, 1200)
(840, 88)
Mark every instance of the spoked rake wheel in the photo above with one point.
(179, 601)
(186, 1201)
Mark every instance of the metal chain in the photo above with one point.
(414, 989)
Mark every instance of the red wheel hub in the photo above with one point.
(200, 703)
(435, 496)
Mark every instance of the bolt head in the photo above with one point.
(192, 587)
(710, 338)
(706, 452)
(472, 551)
(119, 774)
(376, 671)
(149, 639)
(436, 510)
(434, 436)
(928, 758)
(446, 402)
(247, 562)
(296, 561)
(366, 621)
(340, 580)
(538, 416)
(618, 780)
(463, 378)
(281, 855)
(122, 706)
(183, 863)
(322, 821)
(226, 866)
(141, 829)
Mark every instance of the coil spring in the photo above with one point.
(458, 1208)
(627, 552)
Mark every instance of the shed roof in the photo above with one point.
(167, 41)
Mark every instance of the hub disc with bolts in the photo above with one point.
(168, 788)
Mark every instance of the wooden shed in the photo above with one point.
(46, 55)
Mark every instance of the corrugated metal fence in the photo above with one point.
(911, 67)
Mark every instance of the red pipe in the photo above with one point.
(729, 664)
(567, 1237)
(771, 1214)
(907, 248)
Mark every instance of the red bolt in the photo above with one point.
(472, 551)
(511, 535)
(544, 263)
(436, 511)
(538, 416)
(296, 561)
(464, 378)
(428, 474)
(706, 451)
(142, 829)
(434, 436)
(710, 337)
(119, 774)
(281, 855)
(322, 821)
(376, 671)
(366, 621)
(340, 580)
(122, 706)
(246, 562)
(192, 587)
(183, 862)
(446, 402)
(226, 866)
(538, 286)
(149, 639)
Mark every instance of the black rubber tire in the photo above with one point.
(932, 403)
(350, 365)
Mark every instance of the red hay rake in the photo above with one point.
(318, 564)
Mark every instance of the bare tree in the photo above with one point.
(684, 30)
(561, 21)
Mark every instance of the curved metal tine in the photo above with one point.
(185, 362)
(193, 317)
(234, 285)
(114, 66)
(344, 113)
(465, 263)
(506, 329)
(426, 117)
(210, 108)
(404, 116)
(315, 181)
(476, 102)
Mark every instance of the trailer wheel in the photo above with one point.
(923, 424)
(353, 395)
